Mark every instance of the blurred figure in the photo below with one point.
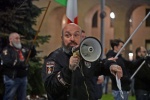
(3, 43)
(83, 34)
(116, 45)
(15, 68)
(142, 77)
(105, 84)
(100, 81)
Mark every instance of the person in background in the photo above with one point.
(15, 68)
(105, 84)
(116, 45)
(142, 77)
(83, 34)
(100, 81)
(3, 43)
(70, 77)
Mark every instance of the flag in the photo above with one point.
(71, 10)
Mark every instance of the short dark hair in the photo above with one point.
(138, 49)
(82, 31)
(115, 42)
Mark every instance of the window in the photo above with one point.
(95, 19)
(148, 18)
(147, 44)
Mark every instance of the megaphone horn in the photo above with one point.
(90, 49)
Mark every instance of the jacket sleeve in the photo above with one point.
(138, 62)
(57, 78)
(102, 67)
(108, 63)
(30, 50)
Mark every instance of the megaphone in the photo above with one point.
(90, 49)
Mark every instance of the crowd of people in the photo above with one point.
(62, 79)
(68, 76)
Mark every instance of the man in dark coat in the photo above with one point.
(69, 77)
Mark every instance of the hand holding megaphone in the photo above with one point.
(90, 49)
(74, 62)
(74, 59)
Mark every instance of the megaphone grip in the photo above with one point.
(76, 53)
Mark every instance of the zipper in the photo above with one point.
(87, 92)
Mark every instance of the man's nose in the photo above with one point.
(72, 37)
(19, 40)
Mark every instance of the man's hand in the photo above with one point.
(112, 58)
(116, 70)
(74, 62)
(100, 79)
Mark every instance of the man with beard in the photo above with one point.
(15, 68)
(142, 77)
(69, 77)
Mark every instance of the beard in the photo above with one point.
(68, 48)
(17, 45)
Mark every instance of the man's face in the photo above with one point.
(117, 48)
(143, 52)
(83, 35)
(71, 36)
(15, 41)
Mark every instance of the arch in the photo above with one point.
(109, 31)
(137, 13)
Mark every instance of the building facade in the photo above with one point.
(129, 14)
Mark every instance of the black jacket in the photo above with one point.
(142, 77)
(126, 66)
(12, 66)
(63, 84)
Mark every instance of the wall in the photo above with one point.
(123, 9)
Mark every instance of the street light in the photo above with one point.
(112, 16)
(130, 56)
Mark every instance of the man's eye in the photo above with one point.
(76, 35)
(67, 35)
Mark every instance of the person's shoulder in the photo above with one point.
(7, 47)
(110, 53)
(55, 53)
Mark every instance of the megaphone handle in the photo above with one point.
(76, 53)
